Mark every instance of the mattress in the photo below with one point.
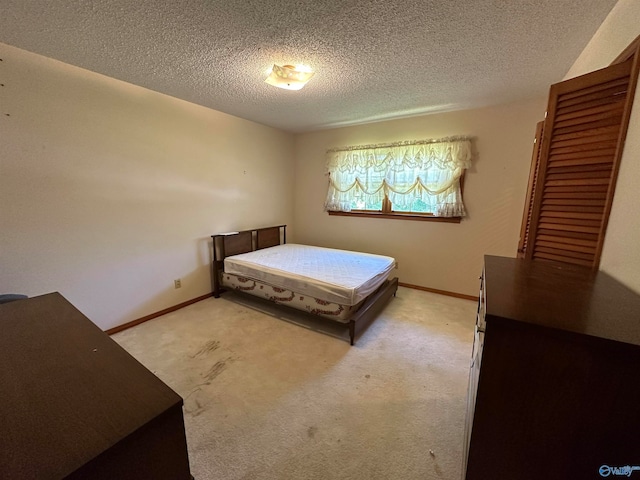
(300, 301)
(336, 276)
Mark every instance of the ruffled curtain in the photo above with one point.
(404, 172)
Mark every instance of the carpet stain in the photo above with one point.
(192, 405)
(438, 470)
(207, 348)
(217, 368)
(311, 432)
(367, 376)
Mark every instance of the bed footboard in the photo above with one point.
(372, 308)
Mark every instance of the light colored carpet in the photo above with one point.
(269, 399)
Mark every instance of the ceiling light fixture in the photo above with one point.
(289, 77)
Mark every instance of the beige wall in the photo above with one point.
(436, 255)
(110, 191)
(621, 253)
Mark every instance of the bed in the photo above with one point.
(346, 287)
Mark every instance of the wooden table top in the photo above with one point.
(67, 391)
(562, 296)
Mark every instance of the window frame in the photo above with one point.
(387, 213)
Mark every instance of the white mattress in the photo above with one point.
(325, 273)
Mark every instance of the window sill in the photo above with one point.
(397, 216)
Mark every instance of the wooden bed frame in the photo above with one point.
(234, 243)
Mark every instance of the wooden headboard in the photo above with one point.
(234, 243)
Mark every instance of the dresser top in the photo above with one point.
(561, 296)
(69, 392)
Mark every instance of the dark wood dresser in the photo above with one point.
(554, 388)
(75, 405)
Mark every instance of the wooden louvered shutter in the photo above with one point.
(531, 191)
(581, 146)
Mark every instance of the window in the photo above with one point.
(419, 178)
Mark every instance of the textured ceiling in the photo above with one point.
(374, 59)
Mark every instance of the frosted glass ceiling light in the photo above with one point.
(289, 77)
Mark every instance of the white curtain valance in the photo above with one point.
(450, 154)
(428, 170)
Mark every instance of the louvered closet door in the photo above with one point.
(585, 126)
(531, 190)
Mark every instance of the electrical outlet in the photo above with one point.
(177, 283)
